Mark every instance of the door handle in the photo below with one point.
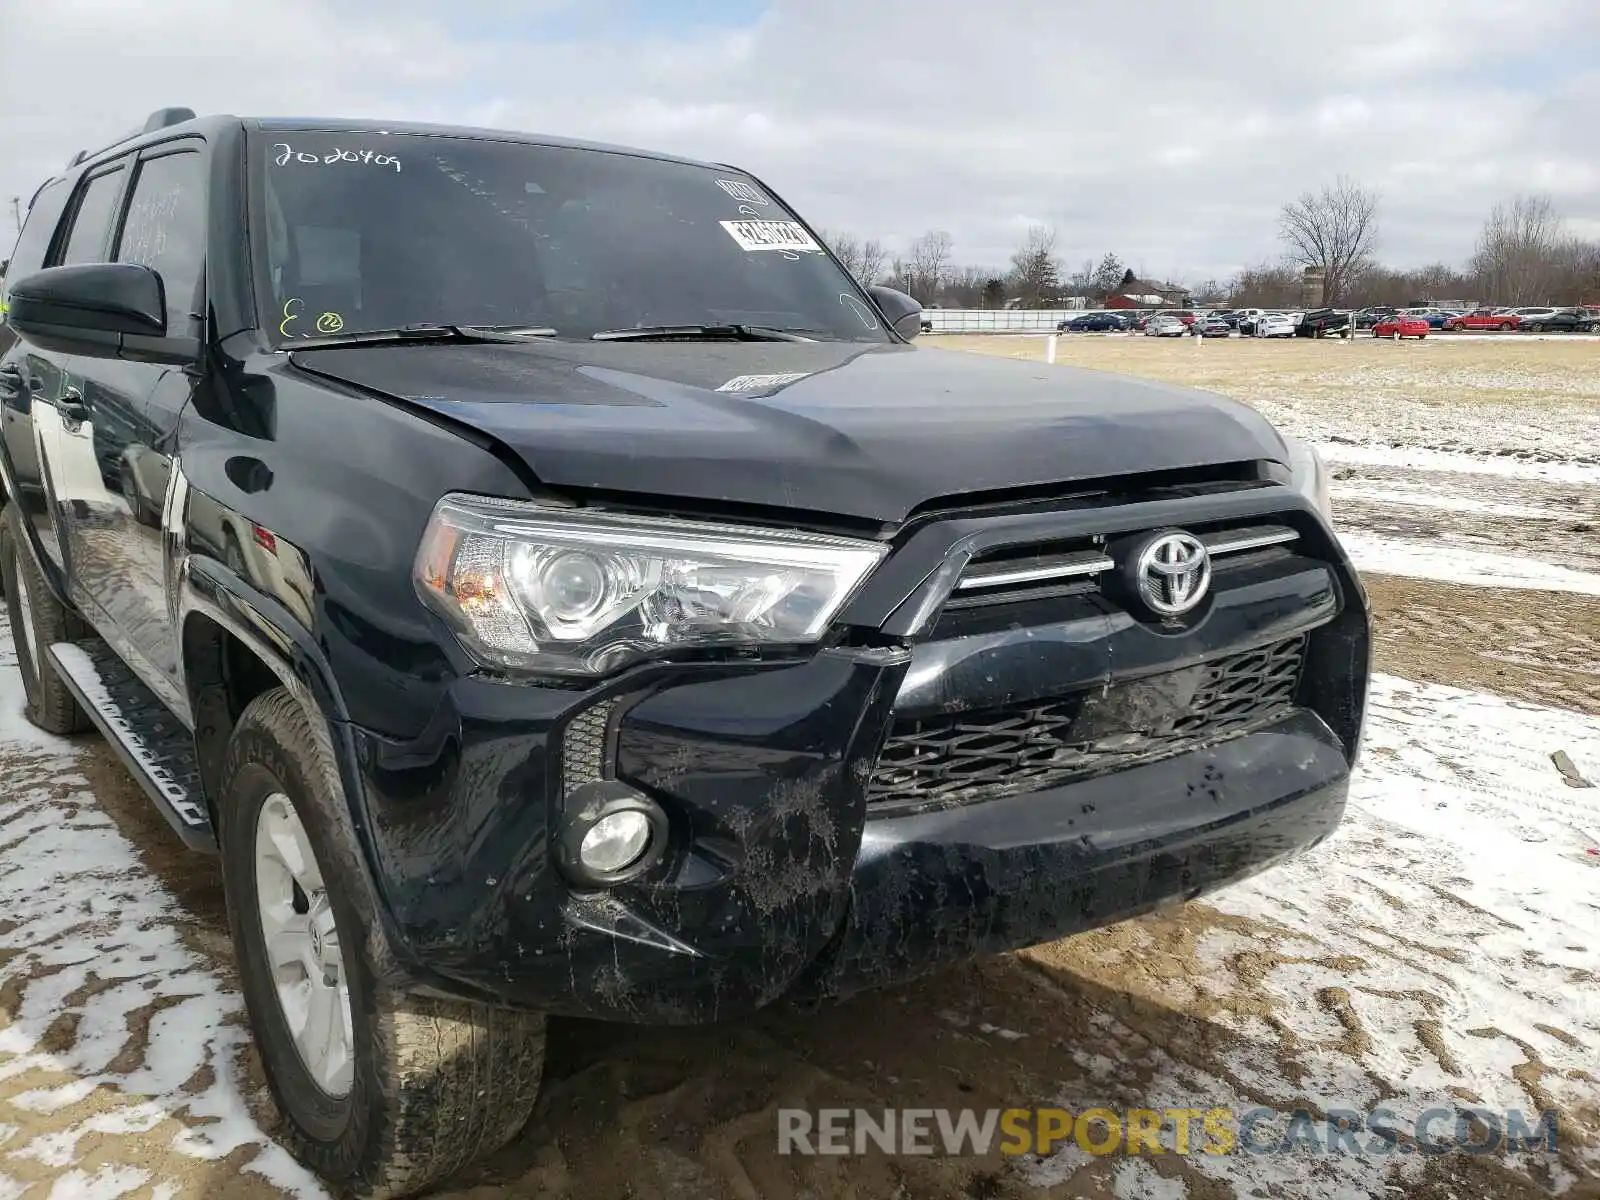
(12, 383)
(71, 406)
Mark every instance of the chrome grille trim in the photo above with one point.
(1253, 537)
(1065, 566)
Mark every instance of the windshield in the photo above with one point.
(369, 231)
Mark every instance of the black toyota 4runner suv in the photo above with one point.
(554, 586)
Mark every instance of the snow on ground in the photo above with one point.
(1458, 462)
(110, 1026)
(1453, 564)
(1467, 487)
(1414, 495)
(1438, 951)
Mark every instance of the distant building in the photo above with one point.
(1134, 292)
(1313, 284)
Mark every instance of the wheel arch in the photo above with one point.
(235, 643)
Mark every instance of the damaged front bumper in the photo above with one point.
(863, 815)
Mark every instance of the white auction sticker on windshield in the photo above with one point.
(758, 383)
(743, 192)
(772, 235)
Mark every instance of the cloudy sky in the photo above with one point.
(1167, 132)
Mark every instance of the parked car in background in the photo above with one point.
(1532, 317)
(1184, 315)
(1165, 325)
(1100, 322)
(1216, 325)
(1435, 317)
(1401, 325)
(1560, 320)
(1366, 318)
(1502, 319)
(1320, 322)
(1275, 325)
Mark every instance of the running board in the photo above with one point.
(152, 743)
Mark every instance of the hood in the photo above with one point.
(865, 432)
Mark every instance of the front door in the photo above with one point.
(119, 559)
(62, 463)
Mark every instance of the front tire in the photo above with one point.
(383, 1092)
(38, 621)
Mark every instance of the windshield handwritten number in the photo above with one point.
(289, 318)
(371, 158)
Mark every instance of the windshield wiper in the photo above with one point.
(737, 333)
(424, 332)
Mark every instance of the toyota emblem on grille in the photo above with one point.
(1172, 572)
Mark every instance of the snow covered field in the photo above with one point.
(1442, 950)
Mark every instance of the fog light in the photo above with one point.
(614, 843)
(609, 833)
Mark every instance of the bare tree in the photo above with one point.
(1519, 252)
(874, 258)
(928, 264)
(1035, 273)
(1264, 286)
(964, 286)
(1335, 229)
(863, 258)
(1081, 281)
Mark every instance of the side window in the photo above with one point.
(43, 217)
(44, 214)
(91, 225)
(166, 230)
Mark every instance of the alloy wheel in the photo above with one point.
(302, 943)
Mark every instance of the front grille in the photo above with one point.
(977, 755)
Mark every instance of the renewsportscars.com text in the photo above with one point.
(1182, 1131)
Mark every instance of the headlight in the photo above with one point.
(576, 592)
(1309, 474)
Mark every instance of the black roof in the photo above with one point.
(342, 124)
(168, 123)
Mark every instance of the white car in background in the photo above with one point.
(1276, 324)
(1163, 325)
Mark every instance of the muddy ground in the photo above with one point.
(1380, 967)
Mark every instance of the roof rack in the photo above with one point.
(160, 119)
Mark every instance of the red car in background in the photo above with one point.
(1486, 318)
(1401, 326)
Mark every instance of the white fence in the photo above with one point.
(998, 320)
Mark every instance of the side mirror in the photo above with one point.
(902, 312)
(91, 309)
